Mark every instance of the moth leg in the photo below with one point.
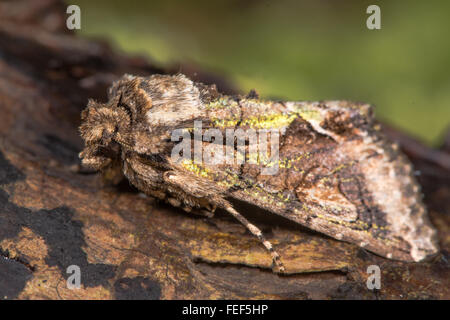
(174, 202)
(208, 212)
(201, 212)
(195, 191)
(257, 232)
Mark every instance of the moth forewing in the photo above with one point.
(338, 175)
(324, 165)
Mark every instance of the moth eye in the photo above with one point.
(110, 130)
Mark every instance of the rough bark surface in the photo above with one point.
(52, 215)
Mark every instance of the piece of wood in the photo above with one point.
(52, 215)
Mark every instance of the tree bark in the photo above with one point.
(128, 246)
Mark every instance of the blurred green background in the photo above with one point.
(300, 50)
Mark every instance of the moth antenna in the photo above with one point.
(257, 232)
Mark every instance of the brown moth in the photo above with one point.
(334, 171)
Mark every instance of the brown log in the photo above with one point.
(53, 215)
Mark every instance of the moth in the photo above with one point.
(328, 168)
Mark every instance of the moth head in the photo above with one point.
(104, 129)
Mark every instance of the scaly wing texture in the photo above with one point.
(336, 174)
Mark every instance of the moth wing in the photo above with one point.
(336, 174)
